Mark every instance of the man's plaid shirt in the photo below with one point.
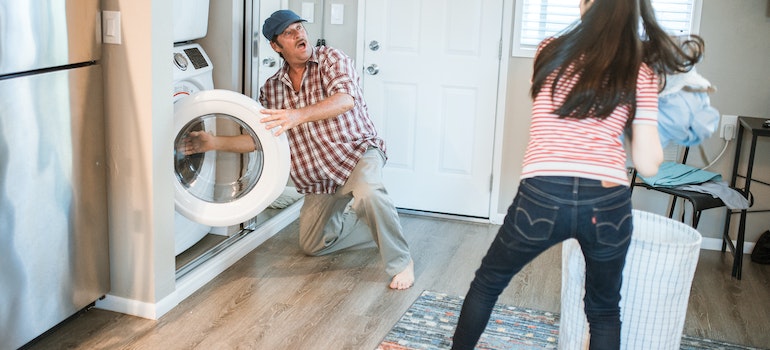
(324, 152)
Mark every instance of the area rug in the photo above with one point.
(429, 324)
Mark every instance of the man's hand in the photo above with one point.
(280, 119)
(197, 142)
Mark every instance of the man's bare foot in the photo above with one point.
(404, 279)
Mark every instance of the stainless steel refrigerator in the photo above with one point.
(53, 215)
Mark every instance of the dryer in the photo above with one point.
(192, 73)
(214, 190)
(220, 197)
(219, 189)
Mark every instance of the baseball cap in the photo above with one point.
(278, 21)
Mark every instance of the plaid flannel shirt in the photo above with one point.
(324, 152)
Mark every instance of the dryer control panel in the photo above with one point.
(190, 62)
(192, 70)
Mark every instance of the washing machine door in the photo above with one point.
(218, 188)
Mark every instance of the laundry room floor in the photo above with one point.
(278, 298)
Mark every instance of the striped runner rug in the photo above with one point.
(429, 324)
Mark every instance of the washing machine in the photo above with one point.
(214, 190)
(192, 73)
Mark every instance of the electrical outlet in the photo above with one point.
(728, 127)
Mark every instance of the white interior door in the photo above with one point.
(430, 81)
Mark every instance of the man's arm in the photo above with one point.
(285, 119)
(201, 141)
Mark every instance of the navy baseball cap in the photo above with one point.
(278, 21)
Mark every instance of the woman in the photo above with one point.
(588, 85)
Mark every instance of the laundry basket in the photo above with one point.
(657, 277)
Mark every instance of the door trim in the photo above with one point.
(497, 210)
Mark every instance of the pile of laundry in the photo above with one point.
(685, 114)
(685, 177)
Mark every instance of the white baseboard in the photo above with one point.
(198, 277)
(716, 244)
(137, 308)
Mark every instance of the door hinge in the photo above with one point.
(500, 50)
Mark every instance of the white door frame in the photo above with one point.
(496, 215)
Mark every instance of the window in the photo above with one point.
(535, 20)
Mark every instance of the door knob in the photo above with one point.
(372, 69)
(374, 45)
(268, 62)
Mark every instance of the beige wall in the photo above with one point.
(737, 35)
(224, 41)
(138, 121)
(737, 62)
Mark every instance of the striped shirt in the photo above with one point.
(588, 148)
(324, 152)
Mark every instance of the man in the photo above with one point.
(336, 155)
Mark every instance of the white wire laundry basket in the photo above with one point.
(657, 277)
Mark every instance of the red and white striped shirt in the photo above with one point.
(588, 148)
(324, 152)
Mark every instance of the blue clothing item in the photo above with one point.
(720, 189)
(677, 174)
(545, 212)
(686, 118)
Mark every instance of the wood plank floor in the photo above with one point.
(277, 298)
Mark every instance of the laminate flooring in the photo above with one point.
(278, 298)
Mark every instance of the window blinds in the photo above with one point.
(536, 20)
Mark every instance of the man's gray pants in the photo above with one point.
(326, 227)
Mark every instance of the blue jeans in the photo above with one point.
(545, 212)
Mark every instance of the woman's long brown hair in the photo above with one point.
(605, 48)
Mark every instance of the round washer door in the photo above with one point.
(219, 188)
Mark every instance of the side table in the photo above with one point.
(754, 127)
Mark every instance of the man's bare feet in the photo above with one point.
(404, 279)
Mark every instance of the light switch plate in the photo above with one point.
(111, 27)
(308, 11)
(338, 14)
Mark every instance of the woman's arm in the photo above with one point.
(646, 151)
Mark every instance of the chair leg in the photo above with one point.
(738, 253)
(726, 232)
(695, 218)
(672, 206)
